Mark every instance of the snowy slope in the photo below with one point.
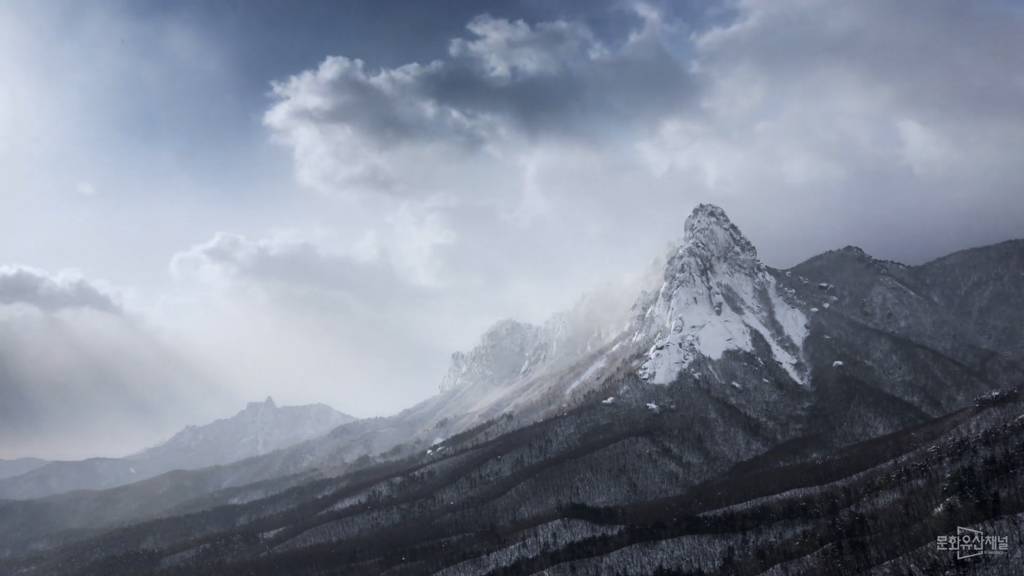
(713, 295)
(717, 296)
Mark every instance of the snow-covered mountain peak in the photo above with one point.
(717, 296)
(708, 232)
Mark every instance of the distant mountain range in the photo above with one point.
(835, 417)
(18, 466)
(259, 429)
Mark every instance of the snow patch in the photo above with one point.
(700, 323)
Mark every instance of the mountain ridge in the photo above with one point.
(260, 428)
(507, 453)
(19, 466)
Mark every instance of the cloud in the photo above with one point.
(81, 376)
(20, 285)
(396, 257)
(352, 128)
(506, 50)
(292, 265)
(854, 119)
(79, 382)
(320, 315)
(871, 122)
(86, 189)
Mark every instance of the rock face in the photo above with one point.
(930, 337)
(506, 351)
(717, 296)
(512, 350)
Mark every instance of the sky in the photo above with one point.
(205, 203)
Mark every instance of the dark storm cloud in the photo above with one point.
(506, 79)
(543, 77)
(558, 79)
(20, 285)
(844, 118)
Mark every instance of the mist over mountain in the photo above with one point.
(260, 429)
(18, 466)
(64, 393)
(668, 437)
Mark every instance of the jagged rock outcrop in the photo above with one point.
(716, 296)
(506, 351)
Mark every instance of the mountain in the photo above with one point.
(512, 351)
(717, 296)
(736, 419)
(517, 505)
(18, 466)
(261, 428)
